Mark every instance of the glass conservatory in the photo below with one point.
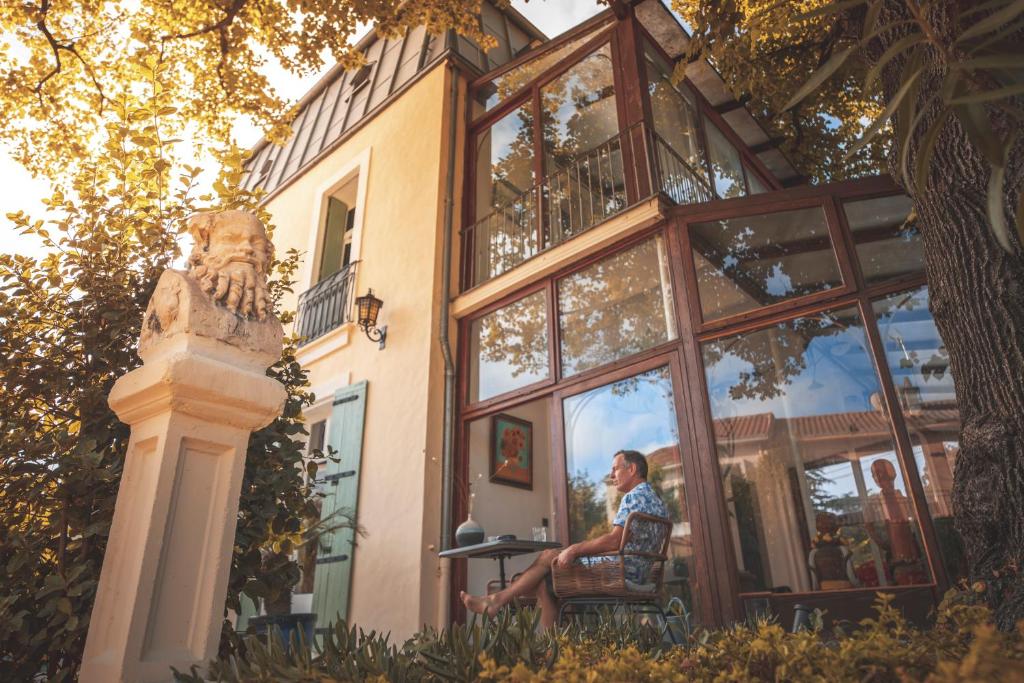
(769, 349)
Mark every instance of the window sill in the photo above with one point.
(325, 344)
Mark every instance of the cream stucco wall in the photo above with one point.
(399, 156)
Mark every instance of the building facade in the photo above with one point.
(578, 254)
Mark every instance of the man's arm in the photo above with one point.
(604, 543)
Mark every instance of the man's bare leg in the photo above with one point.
(548, 605)
(525, 585)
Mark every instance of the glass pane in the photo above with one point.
(815, 494)
(675, 113)
(756, 186)
(505, 232)
(919, 364)
(334, 238)
(616, 307)
(509, 348)
(506, 505)
(887, 245)
(504, 161)
(633, 414)
(578, 109)
(490, 95)
(725, 163)
(585, 179)
(745, 263)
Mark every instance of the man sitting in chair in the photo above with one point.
(629, 475)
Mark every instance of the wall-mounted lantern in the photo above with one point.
(368, 307)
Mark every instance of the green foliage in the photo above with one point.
(976, 46)
(67, 63)
(69, 324)
(960, 646)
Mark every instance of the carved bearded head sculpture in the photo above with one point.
(230, 260)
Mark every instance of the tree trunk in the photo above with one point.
(977, 299)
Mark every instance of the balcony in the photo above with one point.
(326, 305)
(589, 188)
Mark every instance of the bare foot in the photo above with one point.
(478, 604)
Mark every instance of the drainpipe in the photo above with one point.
(448, 426)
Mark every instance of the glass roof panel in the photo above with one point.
(489, 95)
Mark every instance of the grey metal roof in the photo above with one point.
(342, 100)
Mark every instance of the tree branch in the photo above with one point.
(57, 46)
(229, 17)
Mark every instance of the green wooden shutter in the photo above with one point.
(249, 609)
(333, 577)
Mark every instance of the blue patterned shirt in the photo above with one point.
(643, 537)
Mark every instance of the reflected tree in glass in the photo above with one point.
(745, 263)
(725, 163)
(509, 348)
(583, 160)
(619, 306)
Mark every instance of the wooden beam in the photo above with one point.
(732, 105)
(767, 145)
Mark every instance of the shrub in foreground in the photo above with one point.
(961, 645)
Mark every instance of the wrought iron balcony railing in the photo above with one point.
(326, 305)
(586, 190)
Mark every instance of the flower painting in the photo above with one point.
(511, 451)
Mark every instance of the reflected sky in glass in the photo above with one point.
(913, 349)
(636, 413)
(831, 373)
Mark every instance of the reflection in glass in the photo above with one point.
(919, 364)
(582, 157)
(756, 186)
(745, 263)
(616, 307)
(678, 148)
(509, 348)
(504, 160)
(815, 494)
(725, 163)
(510, 82)
(887, 245)
(636, 413)
(505, 233)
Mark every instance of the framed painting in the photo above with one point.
(511, 451)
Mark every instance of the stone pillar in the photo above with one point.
(206, 343)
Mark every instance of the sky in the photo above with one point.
(22, 192)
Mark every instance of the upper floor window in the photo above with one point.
(339, 225)
(504, 160)
(578, 110)
(327, 303)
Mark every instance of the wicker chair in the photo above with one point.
(583, 589)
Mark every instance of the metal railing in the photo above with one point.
(326, 305)
(676, 177)
(585, 190)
